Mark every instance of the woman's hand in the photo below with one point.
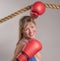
(38, 56)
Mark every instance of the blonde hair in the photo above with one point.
(23, 20)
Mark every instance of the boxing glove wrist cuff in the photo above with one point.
(25, 55)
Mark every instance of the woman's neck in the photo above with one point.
(27, 38)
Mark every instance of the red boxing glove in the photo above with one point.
(31, 48)
(38, 8)
(21, 57)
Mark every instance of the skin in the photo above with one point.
(29, 32)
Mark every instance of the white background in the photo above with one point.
(48, 29)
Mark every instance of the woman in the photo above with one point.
(27, 30)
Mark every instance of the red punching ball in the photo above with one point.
(38, 8)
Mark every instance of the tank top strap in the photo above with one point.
(24, 41)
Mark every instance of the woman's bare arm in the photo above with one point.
(18, 49)
(38, 56)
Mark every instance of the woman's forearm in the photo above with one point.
(38, 56)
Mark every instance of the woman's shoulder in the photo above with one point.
(23, 41)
